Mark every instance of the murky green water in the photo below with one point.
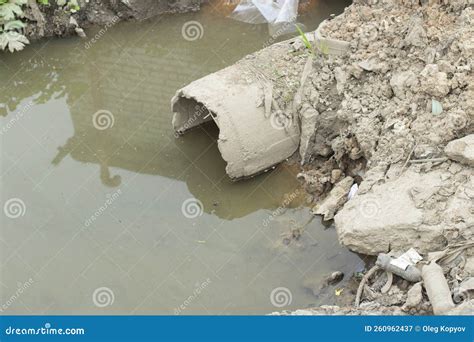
(100, 227)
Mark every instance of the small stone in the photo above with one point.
(414, 296)
(400, 83)
(461, 150)
(434, 82)
(416, 35)
(336, 175)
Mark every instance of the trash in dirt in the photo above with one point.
(353, 191)
(410, 257)
(277, 13)
(461, 293)
(436, 107)
(437, 288)
(334, 278)
(410, 273)
(338, 292)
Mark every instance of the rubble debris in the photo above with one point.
(414, 297)
(410, 273)
(335, 200)
(461, 293)
(400, 100)
(409, 258)
(396, 214)
(437, 288)
(462, 150)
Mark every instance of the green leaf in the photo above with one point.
(10, 10)
(15, 42)
(14, 25)
(304, 38)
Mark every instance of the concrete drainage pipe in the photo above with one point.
(249, 141)
(253, 134)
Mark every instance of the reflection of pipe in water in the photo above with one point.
(105, 176)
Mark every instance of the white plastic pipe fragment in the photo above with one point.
(437, 288)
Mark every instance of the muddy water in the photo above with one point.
(130, 219)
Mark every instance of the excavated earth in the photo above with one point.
(387, 129)
(52, 20)
(381, 116)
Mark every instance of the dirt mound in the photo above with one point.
(397, 111)
(385, 112)
(54, 20)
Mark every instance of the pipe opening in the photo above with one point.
(190, 113)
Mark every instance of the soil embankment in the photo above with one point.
(386, 141)
(396, 115)
(55, 20)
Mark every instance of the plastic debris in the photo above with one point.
(410, 273)
(437, 288)
(353, 191)
(277, 13)
(436, 107)
(461, 293)
(410, 257)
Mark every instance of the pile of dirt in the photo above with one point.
(54, 20)
(387, 143)
(404, 95)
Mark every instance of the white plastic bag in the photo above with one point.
(273, 12)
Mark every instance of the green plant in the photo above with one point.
(69, 5)
(305, 40)
(322, 47)
(11, 25)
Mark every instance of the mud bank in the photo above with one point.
(402, 102)
(386, 137)
(54, 20)
(396, 114)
